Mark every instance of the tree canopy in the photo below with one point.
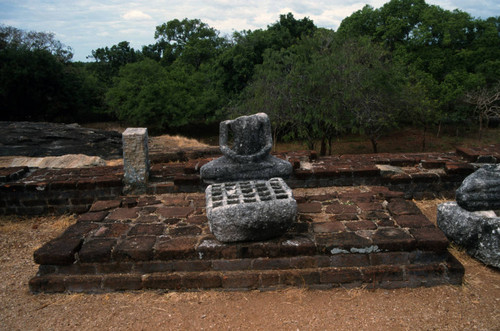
(405, 63)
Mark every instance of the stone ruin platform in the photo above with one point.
(32, 191)
(343, 236)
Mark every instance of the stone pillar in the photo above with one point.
(135, 160)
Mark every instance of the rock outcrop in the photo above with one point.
(37, 139)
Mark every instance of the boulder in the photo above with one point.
(481, 190)
(477, 231)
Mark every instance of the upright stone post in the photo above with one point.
(135, 160)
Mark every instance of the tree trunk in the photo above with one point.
(275, 134)
(310, 144)
(423, 138)
(480, 127)
(322, 151)
(330, 141)
(374, 145)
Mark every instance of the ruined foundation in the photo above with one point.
(343, 236)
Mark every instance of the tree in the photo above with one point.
(325, 85)
(451, 51)
(371, 87)
(486, 104)
(109, 60)
(190, 40)
(236, 65)
(38, 83)
(36, 86)
(11, 37)
(148, 94)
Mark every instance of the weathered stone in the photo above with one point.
(59, 251)
(478, 232)
(253, 210)
(249, 157)
(135, 160)
(321, 227)
(480, 190)
(389, 170)
(223, 169)
(430, 239)
(54, 139)
(361, 225)
(97, 250)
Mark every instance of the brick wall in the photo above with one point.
(37, 191)
(419, 175)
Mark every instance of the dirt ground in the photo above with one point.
(474, 305)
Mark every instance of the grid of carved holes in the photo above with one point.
(246, 192)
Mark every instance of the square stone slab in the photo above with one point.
(250, 210)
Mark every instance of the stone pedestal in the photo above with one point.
(224, 169)
(135, 160)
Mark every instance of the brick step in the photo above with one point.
(362, 228)
(160, 187)
(449, 271)
(243, 264)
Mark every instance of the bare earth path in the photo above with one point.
(474, 305)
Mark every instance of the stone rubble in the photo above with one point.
(472, 221)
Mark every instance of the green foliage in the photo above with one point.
(451, 51)
(109, 60)
(236, 65)
(405, 63)
(11, 37)
(37, 84)
(148, 94)
(324, 86)
(189, 41)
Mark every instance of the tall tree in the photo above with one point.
(190, 40)
(109, 60)
(328, 86)
(32, 40)
(452, 51)
(37, 81)
(486, 104)
(236, 65)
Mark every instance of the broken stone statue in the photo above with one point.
(474, 220)
(249, 156)
(248, 200)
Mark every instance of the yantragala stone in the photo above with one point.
(250, 210)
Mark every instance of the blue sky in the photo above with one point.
(89, 24)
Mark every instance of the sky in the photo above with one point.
(85, 25)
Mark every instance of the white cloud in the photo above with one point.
(136, 15)
(89, 24)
